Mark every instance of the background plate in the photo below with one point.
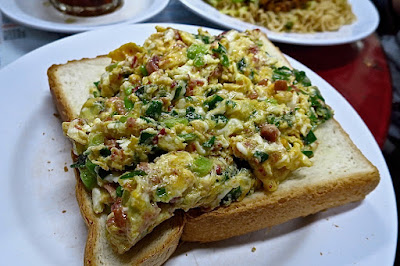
(367, 22)
(41, 221)
(40, 14)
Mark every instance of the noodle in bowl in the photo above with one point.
(313, 16)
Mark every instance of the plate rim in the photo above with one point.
(8, 8)
(277, 37)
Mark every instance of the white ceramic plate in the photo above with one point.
(40, 220)
(367, 22)
(40, 14)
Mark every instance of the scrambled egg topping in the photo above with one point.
(187, 121)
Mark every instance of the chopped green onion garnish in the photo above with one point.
(161, 191)
(148, 120)
(231, 104)
(197, 52)
(119, 191)
(310, 138)
(220, 120)
(233, 195)
(143, 70)
(202, 166)
(188, 137)
(281, 73)
(212, 101)
(154, 109)
(128, 104)
(300, 77)
(209, 143)
(204, 38)
(175, 120)
(133, 174)
(80, 162)
(105, 152)
(224, 60)
(88, 174)
(241, 65)
(309, 154)
(261, 156)
(123, 119)
(128, 90)
(221, 50)
(191, 114)
(146, 138)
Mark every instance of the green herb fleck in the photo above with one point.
(88, 174)
(161, 191)
(188, 137)
(209, 143)
(123, 119)
(212, 101)
(241, 65)
(232, 196)
(289, 25)
(221, 50)
(191, 114)
(119, 191)
(281, 73)
(310, 138)
(309, 154)
(143, 70)
(204, 38)
(154, 109)
(105, 152)
(80, 162)
(300, 77)
(179, 88)
(261, 156)
(220, 120)
(202, 166)
(128, 104)
(196, 52)
(171, 122)
(148, 120)
(231, 104)
(146, 138)
(132, 174)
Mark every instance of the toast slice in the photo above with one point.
(340, 175)
(68, 85)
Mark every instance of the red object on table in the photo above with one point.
(359, 71)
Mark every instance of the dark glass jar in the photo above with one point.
(86, 8)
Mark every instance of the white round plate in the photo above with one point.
(367, 22)
(40, 14)
(41, 223)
